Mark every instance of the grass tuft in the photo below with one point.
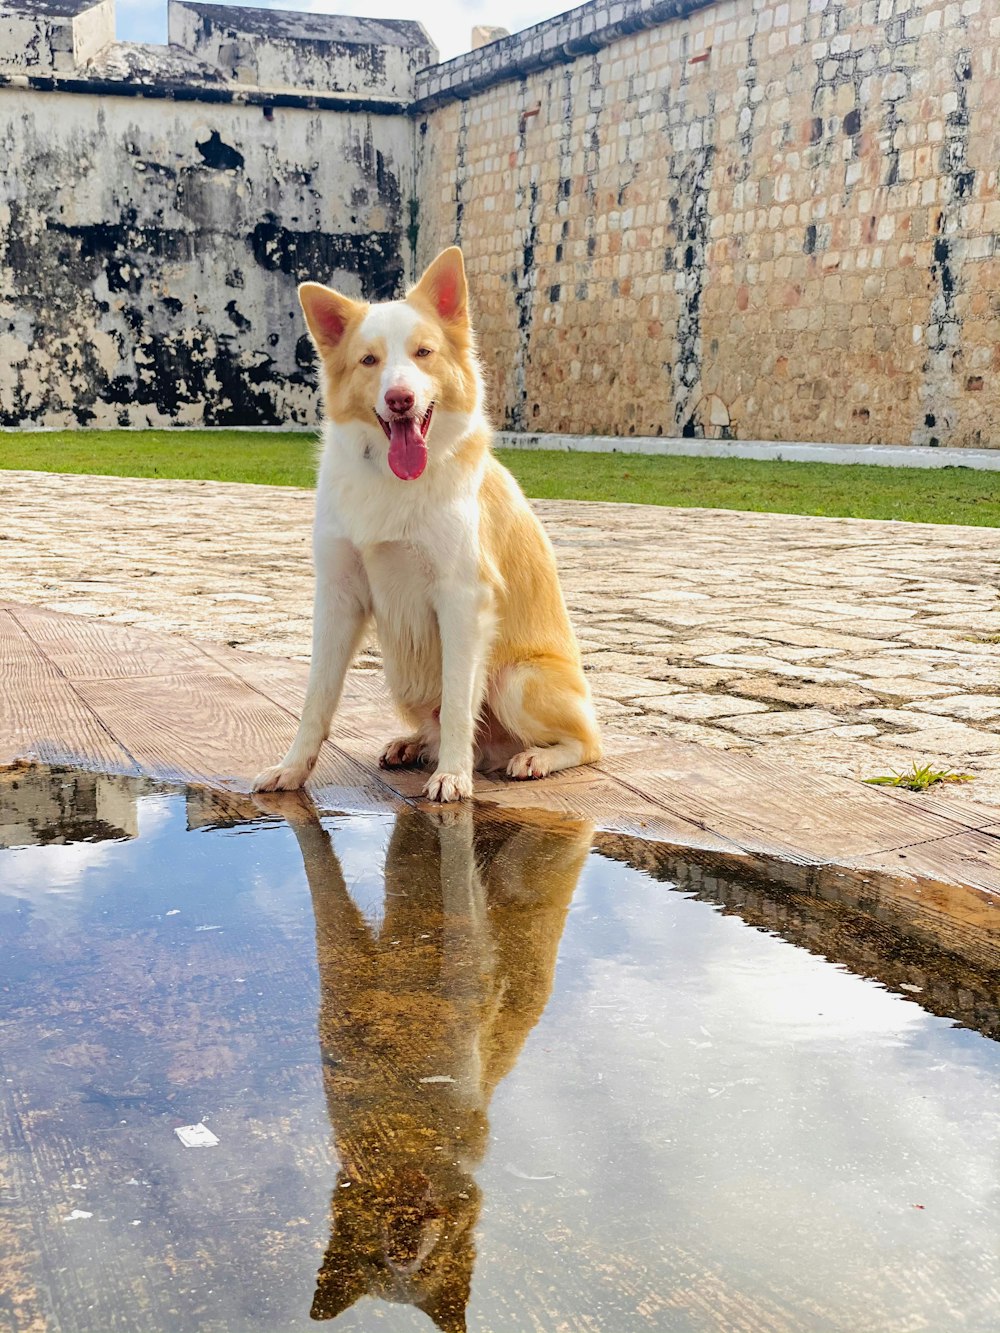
(920, 778)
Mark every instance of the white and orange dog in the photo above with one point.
(419, 526)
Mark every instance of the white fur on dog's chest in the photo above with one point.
(402, 582)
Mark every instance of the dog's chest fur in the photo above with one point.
(401, 585)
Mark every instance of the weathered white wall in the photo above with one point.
(93, 30)
(150, 251)
(35, 44)
(272, 49)
(38, 42)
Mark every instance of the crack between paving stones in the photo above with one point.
(76, 695)
(374, 777)
(929, 842)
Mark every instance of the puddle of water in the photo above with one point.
(480, 1070)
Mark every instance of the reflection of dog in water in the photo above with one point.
(419, 1021)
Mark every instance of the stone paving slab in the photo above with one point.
(851, 647)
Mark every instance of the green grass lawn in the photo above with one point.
(922, 495)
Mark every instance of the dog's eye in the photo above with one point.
(369, 360)
(424, 351)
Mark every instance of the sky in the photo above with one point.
(449, 22)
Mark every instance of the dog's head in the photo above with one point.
(405, 370)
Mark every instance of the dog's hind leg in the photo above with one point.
(545, 705)
(403, 752)
(419, 748)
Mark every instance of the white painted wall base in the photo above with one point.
(878, 455)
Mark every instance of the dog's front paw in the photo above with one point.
(449, 787)
(286, 776)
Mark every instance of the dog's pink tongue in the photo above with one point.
(407, 449)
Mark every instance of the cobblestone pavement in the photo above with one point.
(852, 646)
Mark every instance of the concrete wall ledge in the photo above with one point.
(877, 455)
(227, 94)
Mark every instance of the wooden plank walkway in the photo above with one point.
(100, 695)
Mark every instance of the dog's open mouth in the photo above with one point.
(407, 438)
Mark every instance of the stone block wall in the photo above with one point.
(771, 219)
(750, 219)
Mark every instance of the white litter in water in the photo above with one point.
(438, 1078)
(76, 1215)
(174, 911)
(196, 1136)
(208, 927)
(523, 1175)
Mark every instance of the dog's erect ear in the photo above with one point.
(444, 288)
(331, 1300)
(342, 1280)
(327, 313)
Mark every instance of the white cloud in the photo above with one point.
(58, 869)
(57, 878)
(717, 1106)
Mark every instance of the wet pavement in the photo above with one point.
(463, 1070)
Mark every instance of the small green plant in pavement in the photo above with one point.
(920, 778)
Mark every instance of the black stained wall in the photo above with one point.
(150, 251)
